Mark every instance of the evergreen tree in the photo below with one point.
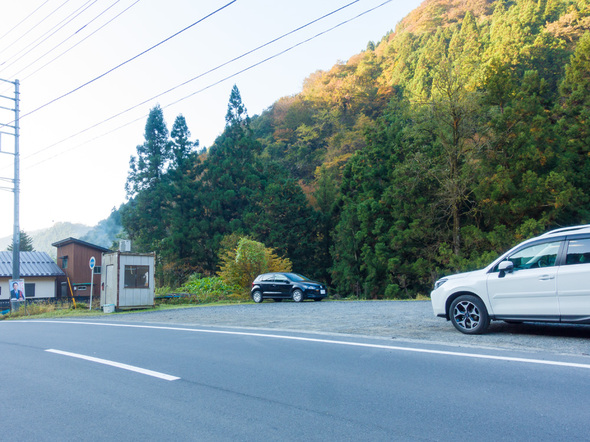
(144, 219)
(25, 244)
(231, 178)
(574, 123)
(182, 248)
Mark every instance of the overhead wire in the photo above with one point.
(68, 38)
(197, 77)
(34, 27)
(196, 92)
(51, 32)
(23, 20)
(129, 60)
(81, 41)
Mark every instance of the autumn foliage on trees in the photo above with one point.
(432, 151)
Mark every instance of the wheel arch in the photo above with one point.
(454, 296)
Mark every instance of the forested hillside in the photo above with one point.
(435, 149)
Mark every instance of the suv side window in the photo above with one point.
(578, 252)
(267, 278)
(281, 278)
(536, 256)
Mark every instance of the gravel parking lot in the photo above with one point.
(391, 320)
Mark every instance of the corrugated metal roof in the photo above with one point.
(31, 264)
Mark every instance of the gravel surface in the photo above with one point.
(409, 321)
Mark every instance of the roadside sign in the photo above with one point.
(92, 263)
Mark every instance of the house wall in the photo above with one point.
(78, 269)
(44, 287)
(114, 287)
(136, 297)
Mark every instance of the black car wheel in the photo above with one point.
(257, 296)
(469, 315)
(297, 295)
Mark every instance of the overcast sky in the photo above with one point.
(75, 150)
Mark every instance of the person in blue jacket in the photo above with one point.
(16, 293)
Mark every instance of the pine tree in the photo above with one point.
(25, 245)
(574, 123)
(144, 218)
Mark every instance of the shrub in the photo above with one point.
(240, 265)
(199, 290)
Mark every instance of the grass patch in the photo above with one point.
(43, 310)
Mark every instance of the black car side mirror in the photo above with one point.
(505, 267)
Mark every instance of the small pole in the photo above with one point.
(92, 263)
(91, 288)
(71, 292)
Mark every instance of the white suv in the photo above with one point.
(544, 279)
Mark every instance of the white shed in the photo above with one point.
(127, 280)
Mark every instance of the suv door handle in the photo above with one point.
(546, 277)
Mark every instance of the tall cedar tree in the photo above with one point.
(182, 247)
(25, 244)
(231, 177)
(144, 217)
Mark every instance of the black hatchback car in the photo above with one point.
(279, 286)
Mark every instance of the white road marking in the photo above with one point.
(155, 374)
(329, 341)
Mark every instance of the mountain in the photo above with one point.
(433, 150)
(432, 14)
(103, 234)
(43, 238)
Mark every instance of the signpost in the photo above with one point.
(92, 263)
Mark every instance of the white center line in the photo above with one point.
(155, 374)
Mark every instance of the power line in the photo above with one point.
(46, 17)
(196, 77)
(23, 20)
(200, 90)
(127, 61)
(44, 37)
(72, 35)
(81, 41)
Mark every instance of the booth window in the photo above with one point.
(137, 277)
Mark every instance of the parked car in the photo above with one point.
(543, 279)
(279, 286)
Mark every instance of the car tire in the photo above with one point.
(257, 297)
(297, 295)
(469, 315)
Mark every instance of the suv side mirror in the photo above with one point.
(505, 267)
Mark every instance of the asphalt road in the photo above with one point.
(229, 383)
(399, 321)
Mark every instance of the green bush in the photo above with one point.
(240, 265)
(199, 290)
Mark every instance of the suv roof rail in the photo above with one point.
(567, 229)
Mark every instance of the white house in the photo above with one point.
(39, 271)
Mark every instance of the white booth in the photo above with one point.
(127, 280)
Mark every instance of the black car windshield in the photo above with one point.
(296, 277)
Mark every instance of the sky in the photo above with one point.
(89, 72)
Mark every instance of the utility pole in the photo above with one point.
(4, 129)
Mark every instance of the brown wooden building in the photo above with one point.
(73, 257)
